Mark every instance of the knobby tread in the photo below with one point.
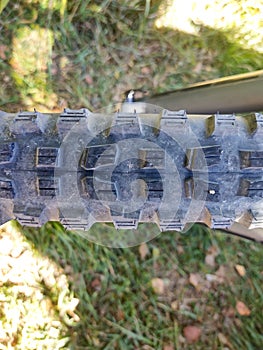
(229, 152)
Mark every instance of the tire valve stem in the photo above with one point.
(130, 96)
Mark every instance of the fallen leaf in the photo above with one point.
(221, 274)
(240, 270)
(143, 250)
(168, 347)
(96, 284)
(242, 309)
(211, 278)
(195, 280)
(180, 249)
(174, 305)
(211, 255)
(146, 70)
(158, 285)
(192, 333)
(222, 338)
(210, 260)
(120, 315)
(88, 79)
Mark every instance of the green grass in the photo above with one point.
(92, 52)
(125, 313)
(87, 54)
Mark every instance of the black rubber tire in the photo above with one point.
(219, 160)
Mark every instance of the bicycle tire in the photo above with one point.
(232, 175)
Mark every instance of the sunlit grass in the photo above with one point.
(243, 18)
(35, 301)
(31, 60)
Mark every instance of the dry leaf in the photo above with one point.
(221, 274)
(210, 260)
(174, 305)
(240, 270)
(146, 70)
(180, 249)
(192, 333)
(88, 79)
(242, 309)
(143, 250)
(195, 280)
(211, 255)
(120, 315)
(96, 284)
(222, 338)
(211, 278)
(158, 285)
(168, 347)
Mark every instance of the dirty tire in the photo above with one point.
(140, 164)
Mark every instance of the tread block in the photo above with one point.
(221, 222)
(257, 221)
(220, 123)
(173, 118)
(101, 155)
(169, 225)
(25, 123)
(46, 157)
(7, 152)
(251, 159)
(29, 216)
(73, 115)
(46, 186)
(75, 223)
(250, 188)
(125, 223)
(194, 189)
(126, 118)
(125, 220)
(199, 158)
(254, 123)
(6, 189)
(106, 192)
(26, 116)
(152, 158)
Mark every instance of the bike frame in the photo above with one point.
(235, 94)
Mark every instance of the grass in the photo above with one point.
(119, 309)
(88, 53)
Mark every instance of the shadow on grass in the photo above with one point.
(118, 306)
(113, 285)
